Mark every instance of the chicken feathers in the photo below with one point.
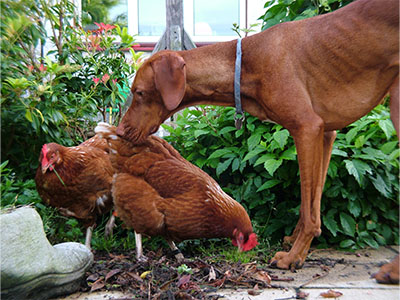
(159, 193)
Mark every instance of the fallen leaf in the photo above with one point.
(254, 292)
(97, 285)
(118, 257)
(301, 295)
(144, 274)
(331, 294)
(183, 280)
(212, 275)
(112, 273)
(135, 276)
(93, 277)
(262, 276)
(165, 286)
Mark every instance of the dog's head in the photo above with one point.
(158, 89)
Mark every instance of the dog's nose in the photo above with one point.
(120, 130)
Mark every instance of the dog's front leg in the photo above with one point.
(314, 148)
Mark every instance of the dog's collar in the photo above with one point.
(239, 115)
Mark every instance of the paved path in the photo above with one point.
(347, 273)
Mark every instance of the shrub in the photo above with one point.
(257, 165)
(57, 96)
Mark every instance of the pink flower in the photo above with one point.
(114, 81)
(105, 78)
(105, 27)
(42, 68)
(30, 68)
(94, 41)
(96, 80)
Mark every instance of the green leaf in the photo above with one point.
(227, 129)
(235, 164)
(357, 168)
(368, 239)
(254, 140)
(219, 153)
(254, 153)
(371, 225)
(272, 165)
(351, 134)
(289, 154)
(381, 186)
(264, 158)
(330, 222)
(338, 152)
(269, 184)
(346, 244)
(28, 115)
(200, 132)
(359, 142)
(348, 224)
(387, 127)
(388, 147)
(281, 137)
(354, 207)
(223, 166)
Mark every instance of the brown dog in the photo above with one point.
(312, 76)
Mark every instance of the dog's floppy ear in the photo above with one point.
(170, 78)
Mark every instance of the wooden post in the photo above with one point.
(175, 36)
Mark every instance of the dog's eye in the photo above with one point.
(139, 93)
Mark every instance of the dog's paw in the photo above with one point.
(286, 261)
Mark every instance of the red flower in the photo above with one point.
(114, 81)
(96, 80)
(30, 68)
(105, 78)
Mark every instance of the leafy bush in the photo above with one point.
(278, 11)
(56, 96)
(60, 95)
(257, 165)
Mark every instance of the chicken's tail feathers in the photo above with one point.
(105, 130)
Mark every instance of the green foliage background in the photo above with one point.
(258, 166)
(51, 97)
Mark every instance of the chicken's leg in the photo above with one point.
(179, 256)
(139, 247)
(88, 239)
(109, 226)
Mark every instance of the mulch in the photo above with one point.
(163, 277)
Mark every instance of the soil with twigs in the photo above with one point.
(163, 277)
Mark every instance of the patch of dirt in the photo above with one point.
(162, 277)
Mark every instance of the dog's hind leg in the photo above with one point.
(329, 138)
(314, 148)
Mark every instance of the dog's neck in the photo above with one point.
(209, 80)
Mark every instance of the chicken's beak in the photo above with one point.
(44, 168)
(47, 166)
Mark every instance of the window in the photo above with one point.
(204, 20)
(109, 12)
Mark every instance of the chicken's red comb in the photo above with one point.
(251, 242)
(45, 162)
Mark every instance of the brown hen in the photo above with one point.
(159, 193)
(77, 181)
